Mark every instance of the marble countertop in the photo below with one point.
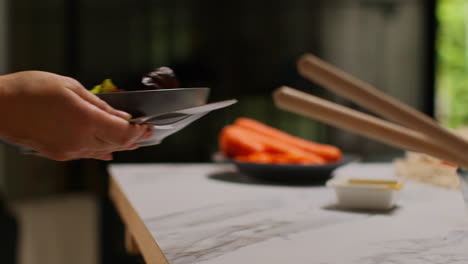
(209, 213)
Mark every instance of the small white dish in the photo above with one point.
(366, 194)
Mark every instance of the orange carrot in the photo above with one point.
(233, 142)
(273, 158)
(328, 152)
(446, 163)
(272, 145)
(257, 157)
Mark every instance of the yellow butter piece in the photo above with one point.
(388, 183)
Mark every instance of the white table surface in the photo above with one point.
(208, 213)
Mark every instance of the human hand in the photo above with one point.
(57, 117)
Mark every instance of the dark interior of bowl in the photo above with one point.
(150, 102)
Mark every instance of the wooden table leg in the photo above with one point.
(139, 234)
(130, 245)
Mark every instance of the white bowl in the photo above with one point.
(376, 195)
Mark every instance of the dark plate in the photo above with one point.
(155, 102)
(292, 173)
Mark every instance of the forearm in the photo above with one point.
(9, 105)
(4, 99)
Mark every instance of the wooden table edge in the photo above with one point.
(147, 245)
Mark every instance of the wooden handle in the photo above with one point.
(346, 118)
(325, 74)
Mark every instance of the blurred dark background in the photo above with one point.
(240, 49)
